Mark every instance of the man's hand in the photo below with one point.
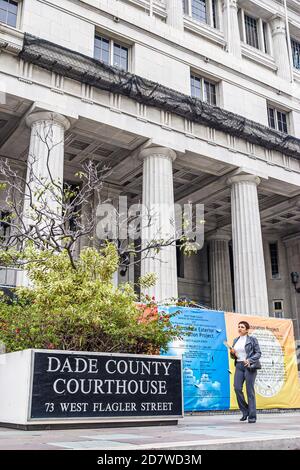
(246, 363)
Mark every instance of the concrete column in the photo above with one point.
(46, 156)
(175, 14)
(220, 275)
(158, 221)
(280, 47)
(231, 27)
(108, 226)
(292, 243)
(249, 267)
(45, 165)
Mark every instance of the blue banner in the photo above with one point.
(205, 358)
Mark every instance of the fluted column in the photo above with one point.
(175, 13)
(249, 267)
(280, 47)
(220, 275)
(46, 156)
(158, 221)
(231, 27)
(45, 166)
(292, 244)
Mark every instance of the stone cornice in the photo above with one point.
(84, 69)
(11, 39)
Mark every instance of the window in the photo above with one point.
(204, 11)
(199, 10)
(278, 309)
(72, 219)
(120, 57)
(5, 225)
(277, 120)
(251, 31)
(111, 53)
(265, 36)
(9, 12)
(296, 53)
(102, 49)
(203, 89)
(274, 260)
(254, 31)
(208, 262)
(179, 259)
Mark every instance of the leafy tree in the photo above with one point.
(76, 306)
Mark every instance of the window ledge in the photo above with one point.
(11, 39)
(258, 56)
(159, 7)
(212, 34)
(296, 73)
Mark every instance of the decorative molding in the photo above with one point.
(296, 75)
(11, 39)
(166, 119)
(141, 111)
(87, 93)
(84, 69)
(115, 102)
(259, 57)
(203, 29)
(57, 82)
(25, 71)
(211, 134)
(188, 126)
(159, 6)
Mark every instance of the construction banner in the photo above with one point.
(208, 370)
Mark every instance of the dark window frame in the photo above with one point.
(278, 312)
(116, 54)
(179, 260)
(278, 119)
(9, 11)
(251, 30)
(203, 89)
(295, 45)
(274, 260)
(203, 11)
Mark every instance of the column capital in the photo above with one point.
(48, 116)
(242, 179)
(230, 3)
(157, 151)
(220, 235)
(278, 25)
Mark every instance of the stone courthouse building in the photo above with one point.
(194, 100)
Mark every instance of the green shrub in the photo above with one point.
(78, 308)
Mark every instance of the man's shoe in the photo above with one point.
(244, 418)
(251, 420)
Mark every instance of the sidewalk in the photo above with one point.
(271, 431)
